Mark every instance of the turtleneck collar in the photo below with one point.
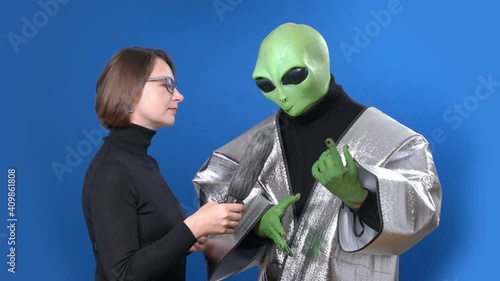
(322, 109)
(135, 139)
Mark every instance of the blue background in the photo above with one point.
(418, 66)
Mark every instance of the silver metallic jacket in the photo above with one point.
(327, 240)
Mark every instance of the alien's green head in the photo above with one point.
(293, 67)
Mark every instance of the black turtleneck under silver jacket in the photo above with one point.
(304, 138)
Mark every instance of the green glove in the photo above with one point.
(270, 224)
(342, 181)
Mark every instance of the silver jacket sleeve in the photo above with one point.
(407, 185)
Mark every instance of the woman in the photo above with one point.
(137, 228)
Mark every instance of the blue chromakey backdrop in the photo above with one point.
(433, 65)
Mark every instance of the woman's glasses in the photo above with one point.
(169, 82)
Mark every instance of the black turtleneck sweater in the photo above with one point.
(304, 138)
(134, 221)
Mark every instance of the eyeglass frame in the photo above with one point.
(168, 80)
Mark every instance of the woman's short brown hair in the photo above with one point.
(121, 83)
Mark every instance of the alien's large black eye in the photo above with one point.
(265, 85)
(295, 76)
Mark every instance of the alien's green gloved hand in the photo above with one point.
(342, 181)
(270, 224)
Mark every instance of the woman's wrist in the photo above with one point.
(193, 226)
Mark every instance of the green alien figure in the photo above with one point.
(345, 190)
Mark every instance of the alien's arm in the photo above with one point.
(368, 212)
(408, 194)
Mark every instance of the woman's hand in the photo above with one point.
(200, 245)
(214, 218)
